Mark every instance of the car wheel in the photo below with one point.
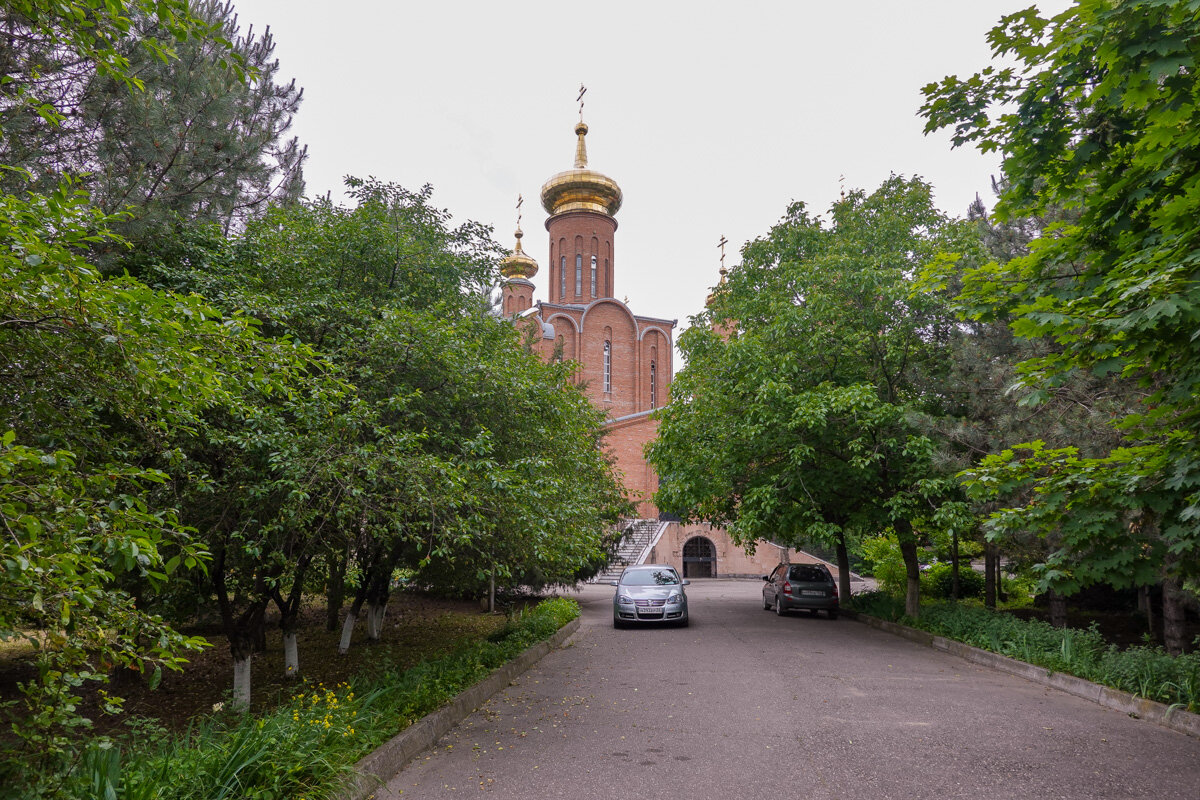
(618, 624)
(833, 614)
(683, 623)
(766, 602)
(779, 608)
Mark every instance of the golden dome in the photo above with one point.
(518, 264)
(581, 189)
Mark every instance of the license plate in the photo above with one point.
(812, 593)
(650, 612)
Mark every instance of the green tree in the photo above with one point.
(99, 379)
(808, 421)
(202, 137)
(1099, 115)
(458, 451)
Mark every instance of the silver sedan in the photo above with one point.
(650, 593)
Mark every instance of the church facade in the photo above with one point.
(625, 359)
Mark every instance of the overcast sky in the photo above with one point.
(712, 117)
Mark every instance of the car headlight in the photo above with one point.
(624, 599)
(675, 599)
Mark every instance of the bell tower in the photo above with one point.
(581, 203)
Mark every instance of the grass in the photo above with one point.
(1148, 672)
(303, 748)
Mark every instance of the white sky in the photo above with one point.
(711, 116)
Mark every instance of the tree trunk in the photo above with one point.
(954, 566)
(335, 589)
(289, 616)
(375, 612)
(492, 593)
(1174, 638)
(1146, 606)
(912, 570)
(990, 560)
(1058, 609)
(1001, 595)
(291, 655)
(241, 682)
(843, 558)
(351, 618)
(260, 633)
(378, 589)
(241, 630)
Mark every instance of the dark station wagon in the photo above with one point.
(807, 586)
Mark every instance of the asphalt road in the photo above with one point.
(744, 704)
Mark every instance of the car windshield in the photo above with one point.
(650, 577)
(807, 573)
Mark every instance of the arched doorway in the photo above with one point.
(699, 558)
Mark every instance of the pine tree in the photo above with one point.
(204, 140)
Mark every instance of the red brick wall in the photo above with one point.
(626, 441)
(518, 296)
(586, 233)
(732, 561)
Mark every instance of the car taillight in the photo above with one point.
(835, 594)
(787, 587)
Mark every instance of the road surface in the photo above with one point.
(744, 704)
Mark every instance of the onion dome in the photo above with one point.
(720, 285)
(518, 264)
(581, 189)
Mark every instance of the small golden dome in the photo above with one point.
(581, 189)
(518, 264)
(720, 285)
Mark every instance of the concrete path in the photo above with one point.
(744, 704)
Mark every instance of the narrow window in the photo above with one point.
(593, 276)
(562, 277)
(653, 387)
(608, 367)
(578, 274)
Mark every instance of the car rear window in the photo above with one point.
(807, 572)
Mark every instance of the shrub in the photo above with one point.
(938, 581)
(882, 556)
(1148, 672)
(305, 747)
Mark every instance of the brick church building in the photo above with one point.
(625, 360)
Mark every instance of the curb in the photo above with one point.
(389, 758)
(1176, 719)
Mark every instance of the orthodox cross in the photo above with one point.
(520, 200)
(582, 92)
(721, 244)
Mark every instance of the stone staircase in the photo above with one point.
(638, 533)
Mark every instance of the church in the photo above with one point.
(625, 362)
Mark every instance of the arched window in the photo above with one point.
(608, 367)
(653, 386)
(593, 276)
(562, 277)
(578, 274)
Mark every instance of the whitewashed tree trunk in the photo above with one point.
(291, 655)
(375, 612)
(347, 632)
(241, 684)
